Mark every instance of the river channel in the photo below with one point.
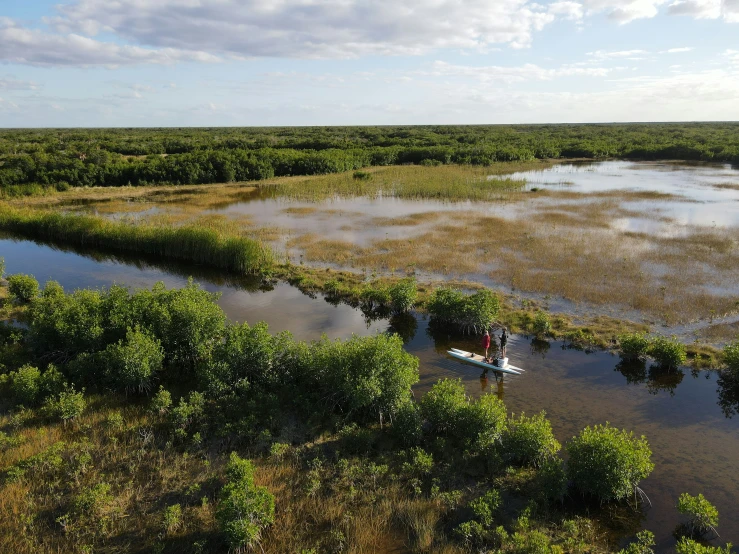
(695, 445)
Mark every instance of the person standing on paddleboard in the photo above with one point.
(486, 344)
(503, 342)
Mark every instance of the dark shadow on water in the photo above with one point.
(405, 325)
(656, 378)
(635, 371)
(728, 393)
(540, 347)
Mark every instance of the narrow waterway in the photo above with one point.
(695, 446)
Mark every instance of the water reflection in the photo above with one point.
(656, 378)
(728, 393)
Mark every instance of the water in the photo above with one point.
(709, 193)
(695, 447)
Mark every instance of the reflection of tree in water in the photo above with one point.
(657, 378)
(374, 314)
(661, 379)
(728, 393)
(539, 346)
(635, 371)
(404, 325)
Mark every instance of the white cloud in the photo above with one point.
(11, 83)
(627, 54)
(527, 72)
(626, 11)
(699, 9)
(677, 50)
(567, 10)
(35, 47)
(308, 29)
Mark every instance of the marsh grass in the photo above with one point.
(202, 243)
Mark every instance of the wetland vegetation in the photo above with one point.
(145, 420)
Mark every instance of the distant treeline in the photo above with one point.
(117, 157)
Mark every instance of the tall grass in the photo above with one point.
(187, 243)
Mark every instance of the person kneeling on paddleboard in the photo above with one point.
(486, 344)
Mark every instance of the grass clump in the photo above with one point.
(608, 463)
(702, 515)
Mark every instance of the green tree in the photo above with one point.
(529, 440)
(133, 364)
(23, 288)
(607, 462)
(443, 404)
(703, 516)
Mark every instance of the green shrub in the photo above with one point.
(481, 423)
(23, 288)
(486, 506)
(551, 478)
(442, 406)
(244, 509)
(375, 296)
(668, 353)
(541, 326)
(703, 516)
(2, 267)
(407, 424)
(689, 546)
(161, 402)
(419, 462)
(93, 500)
(172, 519)
(633, 345)
(25, 385)
(467, 313)
(607, 462)
(361, 175)
(403, 295)
(67, 405)
(133, 364)
(529, 440)
(643, 544)
(731, 357)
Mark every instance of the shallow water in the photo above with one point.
(695, 447)
(703, 200)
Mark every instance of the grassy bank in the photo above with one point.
(186, 243)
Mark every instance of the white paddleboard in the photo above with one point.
(480, 361)
(506, 366)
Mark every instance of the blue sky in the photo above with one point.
(104, 63)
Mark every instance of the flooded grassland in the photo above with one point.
(648, 242)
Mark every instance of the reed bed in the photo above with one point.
(190, 243)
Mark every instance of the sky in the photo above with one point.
(152, 63)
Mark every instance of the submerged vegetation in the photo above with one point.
(250, 440)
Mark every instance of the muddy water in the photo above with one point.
(695, 447)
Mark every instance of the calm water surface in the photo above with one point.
(695, 447)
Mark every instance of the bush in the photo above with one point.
(551, 479)
(161, 402)
(132, 365)
(467, 313)
(93, 500)
(608, 463)
(23, 288)
(244, 509)
(703, 515)
(403, 295)
(362, 175)
(25, 385)
(375, 296)
(689, 546)
(643, 544)
(172, 518)
(529, 440)
(541, 325)
(731, 357)
(419, 462)
(633, 345)
(442, 406)
(668, 353)
(481, 423)
(486, 506)
(67, 405)
(407, 424)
